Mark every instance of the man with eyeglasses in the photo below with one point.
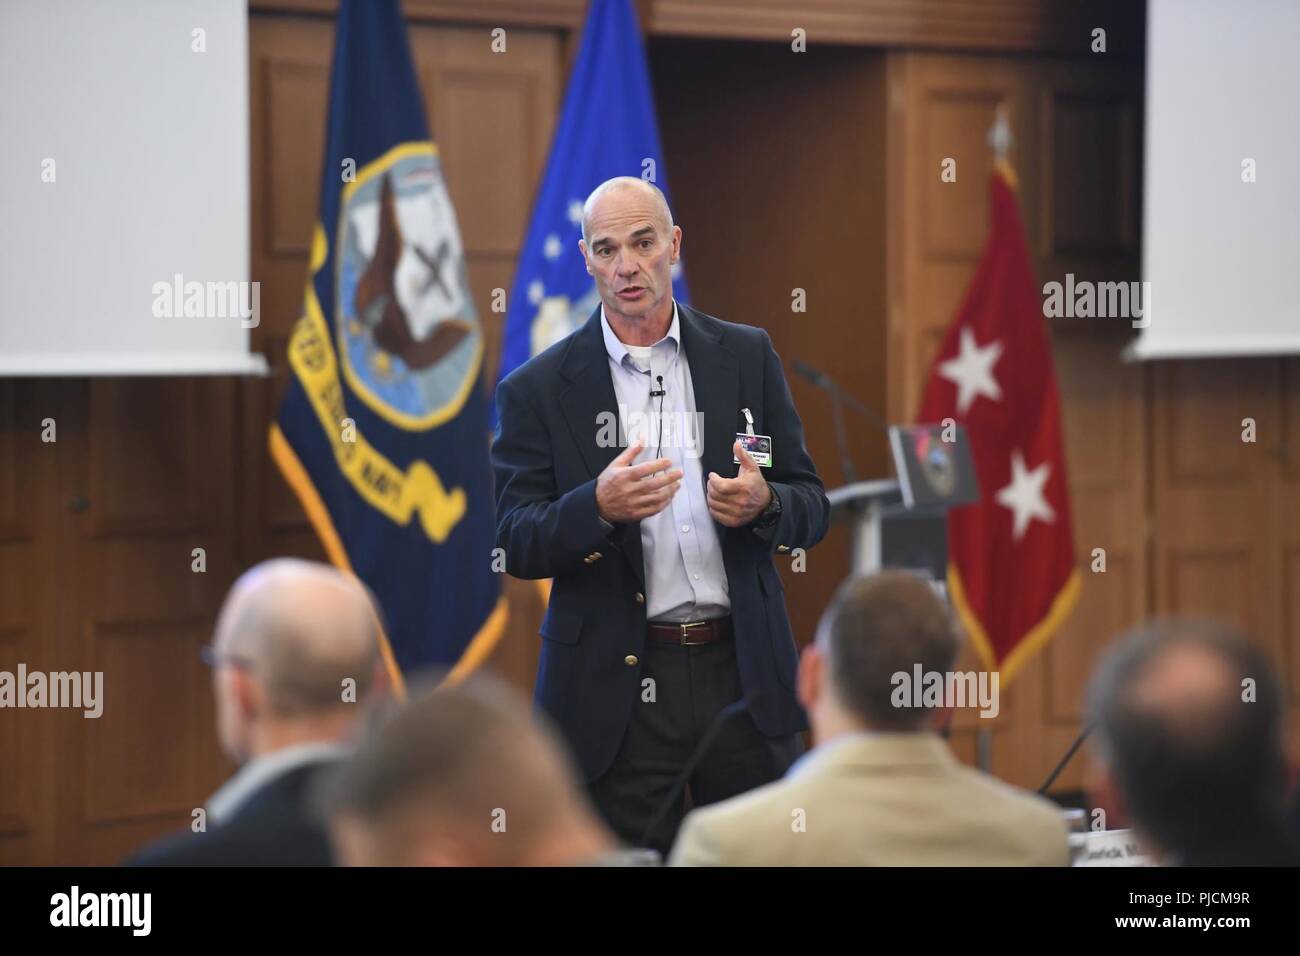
(294, 657)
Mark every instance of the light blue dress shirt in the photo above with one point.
(686, 579)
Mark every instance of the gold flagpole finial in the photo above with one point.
(1000, 141)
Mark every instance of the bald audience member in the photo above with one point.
(880, 787)
(1189, 746)
(463, 775)
(295, 653)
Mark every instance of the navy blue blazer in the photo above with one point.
(275, 826)
(546, 458)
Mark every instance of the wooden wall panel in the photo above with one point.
(998, 25)
(31, 591)
(1103, 402)
(1224, 508)
(144, 773)
(294, 87)
(565, 14)
(15, 648)
(151, 463)
(148, 468)
(1092, 217)
(992, 25)
(1284, 518)
(492, 116)
(15, 483)
(1211, 491)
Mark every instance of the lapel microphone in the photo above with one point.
(659, 392)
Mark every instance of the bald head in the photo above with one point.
(1191, 687)
(296, 631)
(614, 196)
(1189, 724)
(630, 245)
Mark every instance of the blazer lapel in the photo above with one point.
(587, 400)
(715, 377)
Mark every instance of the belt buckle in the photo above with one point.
(685, 632)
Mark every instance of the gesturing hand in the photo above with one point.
(626, 492)
(735, 502)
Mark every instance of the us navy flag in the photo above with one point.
(382, 431)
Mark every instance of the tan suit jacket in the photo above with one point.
(887, 799)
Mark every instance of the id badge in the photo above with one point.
(759, 448)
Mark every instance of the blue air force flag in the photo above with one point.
(607, 128)
(382, 431)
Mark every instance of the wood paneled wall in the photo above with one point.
(1226, 526)
(990, 25)
(98, 530)
(997, 25)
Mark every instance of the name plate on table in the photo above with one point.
(1107, 848)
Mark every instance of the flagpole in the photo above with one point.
(1000, 142)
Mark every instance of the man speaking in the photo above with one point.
(659, 533)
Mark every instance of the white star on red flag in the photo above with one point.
(972, 371)
(1024, 496)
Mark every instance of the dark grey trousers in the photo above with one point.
(692, 684)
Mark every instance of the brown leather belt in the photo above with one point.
(691, 632)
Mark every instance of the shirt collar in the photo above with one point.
(260, 771)
(618, 351)
(875, 748)
(819, 753)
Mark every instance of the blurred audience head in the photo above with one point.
(462, 775)
(296, 651)
(1188, 736)
(875, 627)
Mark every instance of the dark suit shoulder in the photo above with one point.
(542, 366)
(274, 827)
(747, 342)
(721, 327)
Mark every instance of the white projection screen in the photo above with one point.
(1222, 256)
(124, 172)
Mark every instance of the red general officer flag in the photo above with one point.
(1011, 572)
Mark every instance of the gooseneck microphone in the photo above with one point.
(1078, 742)
(706, 741)
(839, 400)
(823, 381)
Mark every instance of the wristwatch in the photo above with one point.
(771, 514)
